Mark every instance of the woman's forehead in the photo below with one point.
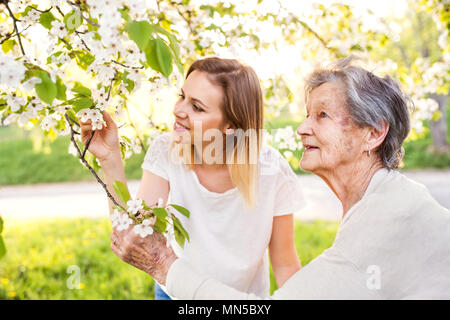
(329, 94)
(198, 86)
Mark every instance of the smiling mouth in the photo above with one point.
(179, 126)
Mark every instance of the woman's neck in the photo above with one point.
(349, 183)
(217, 157)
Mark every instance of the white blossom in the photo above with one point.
(134, 206)
(12, 72)
(48, 123)
(124, 222)
(31, 83)
(10, 119)
(115, 217)
(58, 29)
(144, 229)
(15, 102)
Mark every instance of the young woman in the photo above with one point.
(241, 193)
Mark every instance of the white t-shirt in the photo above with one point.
(228, 242)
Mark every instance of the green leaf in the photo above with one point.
(161, 213)
(140, 32)
(2, 248)
(46, 90)
(121, 191)
(46, 19)
(181, 209)
(72, 20)
(178, 226)
(124, 13)
(129, 84)
(80, 103)
(8, 45)
(82, 90)
(159, 57)
(164, 57)
(60, 89)
(179, 237)
(160, 225)
(84, 59)
(1, 225)
(173, 44)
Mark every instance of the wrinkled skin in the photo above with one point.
(149, 254)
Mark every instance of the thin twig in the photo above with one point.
(82, 41)
(12, 34)
(93, 131)
(76, 7)
(41, 11)
(15, 20)
(88, 143)
(308, 28)
(88, 166)
(125, 66)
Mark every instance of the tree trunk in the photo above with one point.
(439, 127)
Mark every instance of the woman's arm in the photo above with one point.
(283, 256)
(106, 147)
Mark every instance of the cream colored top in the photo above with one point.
(393, 244)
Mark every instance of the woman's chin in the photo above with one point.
(306, 165)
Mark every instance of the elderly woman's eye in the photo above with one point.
(323, 115)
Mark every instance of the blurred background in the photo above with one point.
(56, 227)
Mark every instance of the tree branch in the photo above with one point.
(15, 20)
(308, 28)
(81, 156)
(41, 11)
(77, 9)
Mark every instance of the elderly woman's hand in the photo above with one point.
(149, 254)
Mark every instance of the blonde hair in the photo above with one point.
(242, 107)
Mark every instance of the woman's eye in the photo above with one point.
(196, 108)
(323, 115)
(181, 95)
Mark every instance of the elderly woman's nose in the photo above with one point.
(304, 128)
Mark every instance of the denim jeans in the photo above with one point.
(160, 294)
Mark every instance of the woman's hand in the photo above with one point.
(149, 254)
(105, 142)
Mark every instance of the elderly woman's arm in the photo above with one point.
(329, 276)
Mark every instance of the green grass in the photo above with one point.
(40, 252)
(27, 160)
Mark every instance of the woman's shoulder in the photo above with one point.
(159, 148)
(161, 142)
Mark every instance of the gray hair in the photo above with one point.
(371, 100)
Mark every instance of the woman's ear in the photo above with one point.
(376, 136)
(229, 130)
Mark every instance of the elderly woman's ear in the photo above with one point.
(376, 136)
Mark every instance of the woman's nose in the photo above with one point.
(178, 110)
(304, 128)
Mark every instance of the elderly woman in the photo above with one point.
(394, 238)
